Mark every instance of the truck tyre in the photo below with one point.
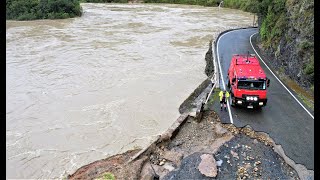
(231, 100)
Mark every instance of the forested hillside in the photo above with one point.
(42, 9)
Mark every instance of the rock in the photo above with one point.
(234, 154)
(219, 163)
(160, 170)
(247, 166)
(161, 163)
(220, 130)
(244, 154)
(165, 136)
(193, 114)
(257, 163)
(178, 143)
(147, 172)
(255, 141)
(173, 156)
(169, 166)
(208, 166)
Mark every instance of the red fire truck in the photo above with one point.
(247, 82)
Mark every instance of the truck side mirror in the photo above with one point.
(268, 82)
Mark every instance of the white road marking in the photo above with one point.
(224, 86)
(278, 79)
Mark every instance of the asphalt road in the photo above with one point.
(283, 118)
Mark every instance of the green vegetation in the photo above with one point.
(285, 21)
(107, 176)
(213, 98)
(272, 14)
(309, 68)
(42, 9)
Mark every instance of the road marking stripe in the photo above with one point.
(278, 79)
(224, 86)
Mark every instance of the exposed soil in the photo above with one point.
(245, 154)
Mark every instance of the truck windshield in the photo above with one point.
(256, 85)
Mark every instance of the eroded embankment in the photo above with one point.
(237, 152)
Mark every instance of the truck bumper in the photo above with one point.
(250, 104)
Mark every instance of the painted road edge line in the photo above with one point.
(224, 86)
(278, 79)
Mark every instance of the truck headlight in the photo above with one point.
(239, 102)
(247, 98)
(251, 98)
(260, 103)
(255, 99)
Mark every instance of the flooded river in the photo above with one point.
(82, 89)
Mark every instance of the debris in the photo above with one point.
(220, 130)
(173, 156)
(234, 154)
(242, 172)
(208, 165)
(168, 166)
(257, 163)
(247, 166)
(244, 154)
(219, 163)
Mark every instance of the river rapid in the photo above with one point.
(82, 89)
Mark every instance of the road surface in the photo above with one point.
(284, 119)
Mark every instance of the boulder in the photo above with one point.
(208, 166)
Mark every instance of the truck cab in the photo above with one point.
(247, 82)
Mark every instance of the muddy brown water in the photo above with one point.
(82, 89)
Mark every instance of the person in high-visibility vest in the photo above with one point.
(223, 99)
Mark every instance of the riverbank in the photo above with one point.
(231, 152)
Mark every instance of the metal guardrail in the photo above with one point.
(215, 76)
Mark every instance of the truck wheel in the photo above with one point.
(231, 101)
